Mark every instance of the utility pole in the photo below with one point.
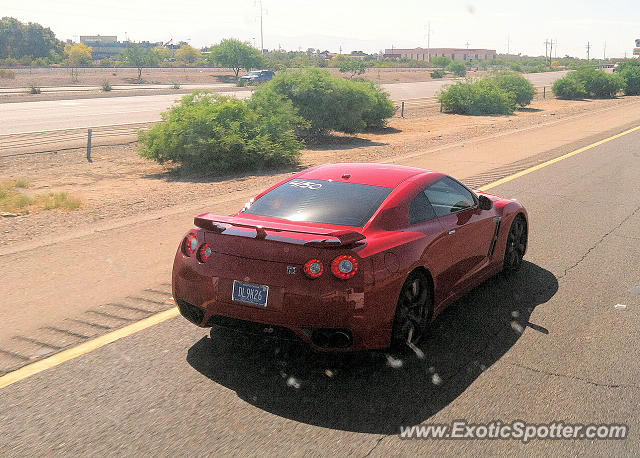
(551, 52)
(261, 34)
(428, 34)
(546, 49)
(604, 52)
(508, 40)
(588, 51)
(429, 41)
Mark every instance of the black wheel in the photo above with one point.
(516, 245)
(413, 311)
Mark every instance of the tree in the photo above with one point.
(457, 68)
(349, 65)
(139, 57)
(235, 54)
(440, 61)
(77, 55)
(161, 53)
(188, 54)
(18, 40)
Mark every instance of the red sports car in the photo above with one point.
(346, 256)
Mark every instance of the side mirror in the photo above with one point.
(484, 203)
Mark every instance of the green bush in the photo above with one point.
(457, 68)
(439, 73)
(588, 81)
(631, 75)
(441, 61)
(600, 84)
(216, 134)
(332, 103)
(106, 86)
(480, 98)
(516, 84)
(569, 87)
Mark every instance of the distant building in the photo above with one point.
(459, 54)
(108, 46)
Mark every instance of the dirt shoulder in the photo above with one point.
(120, 184)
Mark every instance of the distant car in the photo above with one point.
(346, 256)
(258, 76)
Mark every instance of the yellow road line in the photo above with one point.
(557, 159)
(86, 347)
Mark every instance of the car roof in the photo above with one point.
(388, 175)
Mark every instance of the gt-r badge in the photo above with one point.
(291, 270)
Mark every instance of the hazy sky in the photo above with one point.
(370, 25)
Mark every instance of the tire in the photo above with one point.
(413, 311)
(516, 245)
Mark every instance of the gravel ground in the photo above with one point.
(119, 183)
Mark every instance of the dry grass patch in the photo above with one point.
(14, 200)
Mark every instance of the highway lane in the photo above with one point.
(549, 345)
(84, 113)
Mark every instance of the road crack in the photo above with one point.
(574, 377)
(380, 439)
(584, 256)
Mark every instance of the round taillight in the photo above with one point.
(190, 244)
(344, 266)
(313, 268)
(204, 253)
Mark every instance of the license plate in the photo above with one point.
(250, 293)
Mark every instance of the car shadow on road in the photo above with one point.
(375, 392)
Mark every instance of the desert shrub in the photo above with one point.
(479, 98)
(516, 84)
(34, 89)
(441, 61)
(439, 73)
(217, 134)
(631, 75)
(106, 86)
(569, 87)
(7, 74)
(105, 62)
(332, 103)
(600, 84)
(175, 85)
(457, 68)
(588, 81)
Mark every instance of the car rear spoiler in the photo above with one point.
(331, 237)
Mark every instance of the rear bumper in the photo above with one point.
(339, 320)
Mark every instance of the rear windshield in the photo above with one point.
(321, 201)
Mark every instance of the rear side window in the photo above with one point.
(448, 196)
(421, 209)
(321, 201)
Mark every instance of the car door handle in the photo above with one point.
(452, 231)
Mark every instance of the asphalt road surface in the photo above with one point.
(552, 344)
(84, 113)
